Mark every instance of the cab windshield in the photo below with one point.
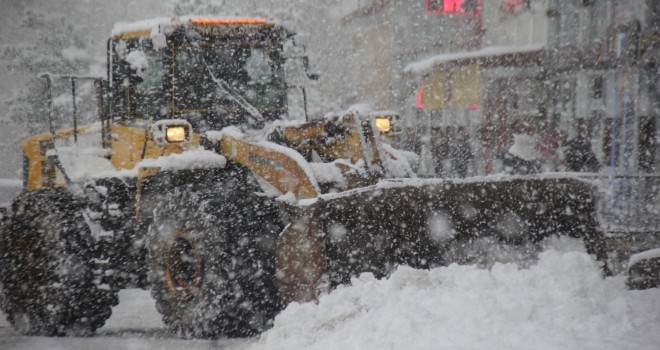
(251, 74)
(210, 83)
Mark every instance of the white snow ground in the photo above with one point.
(135, 324)
(560, 303)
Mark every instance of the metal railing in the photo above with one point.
(629, 203)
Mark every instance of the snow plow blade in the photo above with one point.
(430, 223)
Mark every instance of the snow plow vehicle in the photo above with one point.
(193, 183)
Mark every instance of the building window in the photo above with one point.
(597, 87)
(647, 143)
(455, 7)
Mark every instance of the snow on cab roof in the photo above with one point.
(151, 26)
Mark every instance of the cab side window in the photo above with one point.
(138, 80)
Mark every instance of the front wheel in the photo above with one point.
(211, 258)
(50, 284)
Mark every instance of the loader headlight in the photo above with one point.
(175, 134)
(171, 131)
(384, 124)
(387, 122)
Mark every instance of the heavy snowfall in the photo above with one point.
(371, 52)
(562, 302)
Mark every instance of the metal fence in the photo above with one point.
(630, 204)
(629, 209)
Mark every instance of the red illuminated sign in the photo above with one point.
(420, 99)
(513, 6)
(455, 7)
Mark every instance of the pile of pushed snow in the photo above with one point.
(560, 303)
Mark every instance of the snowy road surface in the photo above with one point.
(560, 303)
(135, 324)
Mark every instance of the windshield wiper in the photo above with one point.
(233, 95)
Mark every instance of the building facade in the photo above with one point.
(558, 66)
(487, 70)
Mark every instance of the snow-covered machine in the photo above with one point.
(194, 184)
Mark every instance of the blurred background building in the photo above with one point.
(474, 73)
(469, 77)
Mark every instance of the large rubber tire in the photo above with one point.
(50, 285)
(211, 256)
(111, 205)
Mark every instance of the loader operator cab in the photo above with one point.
(211, 72)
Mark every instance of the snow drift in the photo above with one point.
(560, 303)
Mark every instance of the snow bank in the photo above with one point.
(194, 158)
(560, 303)
(327, 173)
(427, 64)
(645, 255)
(397, 162)
(94, 166)
(230, 131)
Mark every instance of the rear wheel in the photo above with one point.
(211, 256)
(50, 284)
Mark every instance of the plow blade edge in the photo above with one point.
(430, 223)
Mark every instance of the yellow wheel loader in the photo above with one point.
(197, 182)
